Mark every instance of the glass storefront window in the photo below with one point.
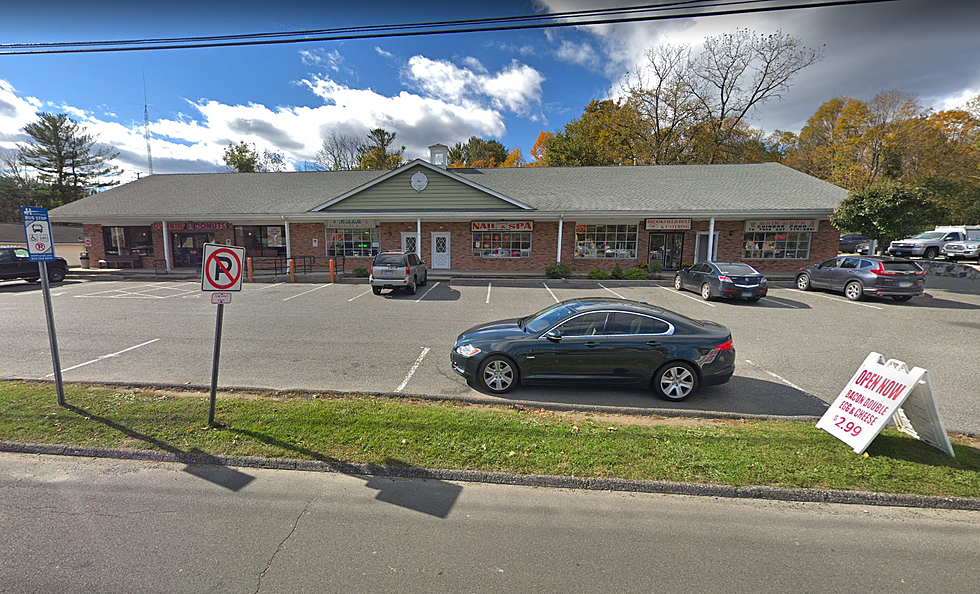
(354, 243)
(128, 241)
(500, 244)
(606, 241)
(261, 240)
(776, 246)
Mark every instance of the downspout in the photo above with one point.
(418, 238)
(289, 247)
(561, 220)
(166, 246)
(711, 239)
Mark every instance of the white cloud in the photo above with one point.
(382, 52)
(582, 54)
(516, 88)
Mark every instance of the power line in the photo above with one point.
(515, 23)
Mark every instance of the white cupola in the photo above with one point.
(438, 154)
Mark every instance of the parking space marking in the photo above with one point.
(676, 292)
(305, 292)
(488, 291)
(845, 301)
(427, 292)
(109, 356)
(149, 291)
(361, 295)
(269, 286)
(552, 292)
(771, 300)
(611, 291)
(411, 371)
(785, 381)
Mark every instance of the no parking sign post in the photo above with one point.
(221, 275)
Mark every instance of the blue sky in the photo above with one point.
(505, 85)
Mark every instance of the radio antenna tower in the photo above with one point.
(146, 127)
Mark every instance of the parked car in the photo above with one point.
(859, 276)
(15, 262)
(931, 243)
(723, 279)
(863, 249)
(597, 339)
(397, 270)
(963, 250)
(850, 241)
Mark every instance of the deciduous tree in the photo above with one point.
(340, 152)
(243, 158)
(887, 211)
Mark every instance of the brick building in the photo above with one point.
(501, 219)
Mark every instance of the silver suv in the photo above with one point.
(963, 250)
(398, 270)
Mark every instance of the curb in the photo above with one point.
(499, 478)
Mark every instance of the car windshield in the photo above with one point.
(544, 319)
(737, 269)
(390, 260)
(929, 235)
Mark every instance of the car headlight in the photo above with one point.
(919, 245)
(467, 350)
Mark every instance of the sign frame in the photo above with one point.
(222, 260)
(37, 232)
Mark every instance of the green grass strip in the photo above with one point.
(451, 435)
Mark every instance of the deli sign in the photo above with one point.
(787, 226)
(668, 224)
(503, 226)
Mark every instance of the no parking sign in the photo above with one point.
(222, 267)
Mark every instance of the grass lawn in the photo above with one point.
(452, 435)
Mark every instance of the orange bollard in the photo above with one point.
(292, 271)
(248, 261)
(331, 270)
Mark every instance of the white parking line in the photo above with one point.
(109, 356)
(611, 291)
(785, 381)
(676, 292)
(427, 292)
(310, 291)
(845, 301)
(411, 371)
(361, 295)
(550, 291)
(771, 300)
(488, 291)
(269, 286)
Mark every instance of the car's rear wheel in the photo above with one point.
(56, 275)
(803, 282)
(901, 297)
(411, 286)
(498, 374)
(677, 282)
(675, 381)
(377, 290)
(854, 291)
(931, 253)
(706, 292)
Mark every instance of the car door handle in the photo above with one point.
(653, 343)
(592, 344)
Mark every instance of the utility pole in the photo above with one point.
(146, 127)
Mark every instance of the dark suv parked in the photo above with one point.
(857, 276)
(15, 262)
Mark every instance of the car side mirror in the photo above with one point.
(553, 335)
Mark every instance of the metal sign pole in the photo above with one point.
(49, 313)
(214, 364)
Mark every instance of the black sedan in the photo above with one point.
(723, 279)
(597, 339)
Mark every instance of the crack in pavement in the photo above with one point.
(282, 543)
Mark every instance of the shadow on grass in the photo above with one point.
(912, 450)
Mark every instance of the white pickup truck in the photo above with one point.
(930, 244)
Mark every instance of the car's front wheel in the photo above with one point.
(675, 381)
(854, 291)
(411, 287)
(803, 282)
(425, 279)
(931, 253)
(677, 282)
(498, 374)
(56, 275)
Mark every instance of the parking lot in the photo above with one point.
(795, 350)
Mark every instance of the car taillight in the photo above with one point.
(921, 273)
(725, 346)
(880, 271)
(724, 279)
(408, 270)
(372, 269)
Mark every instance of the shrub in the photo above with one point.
(598, 274)
(617, 272)
(558, 270)
(636, 274)
(361, 272)
(642, 265)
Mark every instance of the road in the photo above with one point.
(795, 350)
(95, 525)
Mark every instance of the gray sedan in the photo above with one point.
(859, 276)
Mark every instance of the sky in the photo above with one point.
(507, 86)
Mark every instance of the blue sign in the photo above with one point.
(37, 230)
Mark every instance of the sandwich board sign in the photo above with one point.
(881, 391)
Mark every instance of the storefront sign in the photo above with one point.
(191, 226)
(503, 226)
(875, 395)
(780, 226)
(350, 224)
(668, 224)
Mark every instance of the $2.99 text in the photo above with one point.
(848, 427)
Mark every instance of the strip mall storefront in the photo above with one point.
(777, 245)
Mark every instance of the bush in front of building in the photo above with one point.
(635, 274)
(617, 272)
(361, 272)
(598, 274)
(558, 270)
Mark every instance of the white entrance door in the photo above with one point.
(440, 250)
(701, 248)
(408, 242)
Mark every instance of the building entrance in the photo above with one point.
(667, 250)
(189, 248)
